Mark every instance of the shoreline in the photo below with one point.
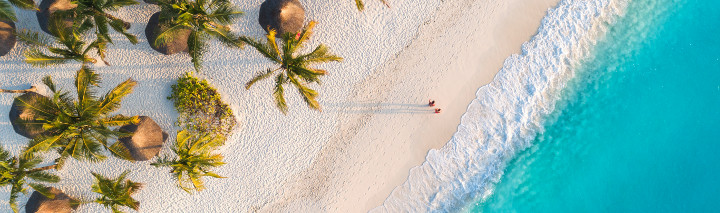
(391, 129)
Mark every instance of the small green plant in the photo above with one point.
(17, 171)
(194, 159)
(116, 192)
(201, 108)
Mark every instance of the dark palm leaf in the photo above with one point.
(96, 11)
(7, 12)
(24, 4)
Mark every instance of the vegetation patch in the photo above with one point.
(201, 108)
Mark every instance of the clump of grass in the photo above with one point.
(201, 108)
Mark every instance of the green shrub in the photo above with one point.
(201, 108)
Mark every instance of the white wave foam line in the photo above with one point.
(507, 113)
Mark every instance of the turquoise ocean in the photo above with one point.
(636, 129)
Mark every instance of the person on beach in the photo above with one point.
(431, 103)
(437, 110)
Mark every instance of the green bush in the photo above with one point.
(201, 108)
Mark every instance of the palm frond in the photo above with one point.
(308, 94)
(279, 94)
(196, 48)
(264, 49)
(225, 13)
(119, 26)
(117, 4)
(258, 77)
(226, 37)
(111, 101)
(319, 55)
(360, 5)
(120, 151)
(33, 39)
(42, 143)
(116, 192)
(7, 12)
(168, 35)
(43, 176)
(84, 78)
(24, 4)
(101, 23)
(304, 36)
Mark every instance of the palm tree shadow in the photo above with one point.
(377, 108)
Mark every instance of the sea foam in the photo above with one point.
(507, 113)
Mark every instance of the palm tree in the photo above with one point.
(194, 159)
(204, 19)
(73, 47)
(79, 128)
(17, 173)
(116, 192)
(93, 14)
(361, 6)
(296, 67)
(8, 13)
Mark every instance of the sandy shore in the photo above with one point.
(389, 128)
(374, 127)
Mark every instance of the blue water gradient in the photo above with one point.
(638, 128)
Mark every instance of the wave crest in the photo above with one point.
(507, 113)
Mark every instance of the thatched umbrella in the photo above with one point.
(154, 28)
(17, 115)
(48, 8)
(7, 36)
(284, 16)
(62, 203)
(147, 139)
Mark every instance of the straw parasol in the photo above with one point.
(62, 203)
(154, 28)
(147, 139)
(7, 36)
(48, 8)
(17, 115)
(284, 16)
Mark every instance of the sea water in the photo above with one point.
(508, 113)
(637, 129)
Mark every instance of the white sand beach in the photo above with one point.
(374, 126)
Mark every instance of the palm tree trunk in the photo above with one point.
(32, 89)
(43, 168)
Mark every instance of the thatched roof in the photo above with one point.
(48, 7)
(62, 203)
(285, 16)
(7, 36)
(17, 115)
(154, 28)
(151, 1)
(147, 139)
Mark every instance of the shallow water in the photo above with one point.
(636, 129)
